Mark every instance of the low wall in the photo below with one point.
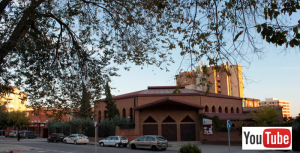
(222, 136)
(130, 134)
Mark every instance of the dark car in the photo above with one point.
(55, 137)
(27, 134)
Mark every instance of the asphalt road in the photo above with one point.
(45, 147)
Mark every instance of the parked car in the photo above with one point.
(2, 132)
(27, 134)
(76, 138)
(152, 142)
(55, 137)
(114, 141)
(7, 133)
(13, 134)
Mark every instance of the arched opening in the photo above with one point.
(232, 110)
(237, 110)
(105, 114)
(99, 116)
(124, 113)
(220, 109)
(131, 114)
(213, 109)
(206, 109)
(226, 110)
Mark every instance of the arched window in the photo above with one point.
(237, 110)
(131, 114)
(232, 110)
(220, 109)
(124, 113)
(206, 109)
(213, 109)
(226, 110)
(105, 114)
(99, 116)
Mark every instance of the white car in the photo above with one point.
(114, 141)
(76, 138)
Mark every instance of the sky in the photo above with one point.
(277, 75)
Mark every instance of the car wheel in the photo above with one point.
(85, 144)
(133, 146)
(164, 149)
(154, 148)
(117, 145)
(124, 145)
(35, 137)
(101, 144)
(75, 142)
(65, 141)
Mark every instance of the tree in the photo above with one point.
(110, 104)
(85, 104)
(3, 116)
(265, 116)
(48, 46)
(18, 118)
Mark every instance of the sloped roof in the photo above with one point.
(254, 109)
(168, 91)
(229, 116)
(168, 99)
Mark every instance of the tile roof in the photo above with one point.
(168, 91)
(249, 109)
(229, 116)
(168, 99)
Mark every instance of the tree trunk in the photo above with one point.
(19, 32)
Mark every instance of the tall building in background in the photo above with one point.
(15, 100)
(222, 83)
(274, 102)
(250, 102)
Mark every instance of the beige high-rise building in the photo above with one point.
(222, 83)
(274, 102)
(15, 100)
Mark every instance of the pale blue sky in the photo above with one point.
(277, 75)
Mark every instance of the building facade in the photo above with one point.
(250, 102)
(222, 83)
(14, 100)
(157, 111)
(274, 102)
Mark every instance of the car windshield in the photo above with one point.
(123, 138)
(161, 139)
(29, 132)
(12, 132)
(60, 134)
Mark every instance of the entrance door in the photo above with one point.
(150, 129)
(169, 131)
(188, 132)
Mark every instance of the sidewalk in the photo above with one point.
(10, 147)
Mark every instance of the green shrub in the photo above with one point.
(189, 149)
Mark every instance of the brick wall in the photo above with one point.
(130, 134)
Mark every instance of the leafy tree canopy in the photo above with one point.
(265, 116)
(48, 46)
(18, 118)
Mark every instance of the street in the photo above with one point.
(45, 147)
(40, 145)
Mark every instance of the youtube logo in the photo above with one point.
(267, 138)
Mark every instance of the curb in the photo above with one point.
(22, 150)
